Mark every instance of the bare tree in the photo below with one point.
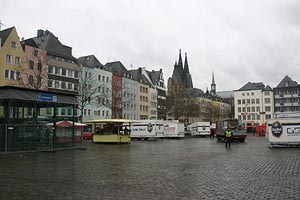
(32, 71)
(86, 90)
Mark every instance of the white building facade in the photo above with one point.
(254, 103)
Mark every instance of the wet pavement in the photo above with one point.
(189, 168)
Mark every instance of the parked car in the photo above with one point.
(87, 135)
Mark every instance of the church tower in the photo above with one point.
(213, 85)
(188, 77)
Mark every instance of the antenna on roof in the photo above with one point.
(1, 24)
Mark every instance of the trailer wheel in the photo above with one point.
(242, 140)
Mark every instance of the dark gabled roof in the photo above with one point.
(116, 68)
(91, 62)
(268, 88)
(286, 80)
(154, 75)
(252, 86)
(30, 42)
(195, 92)
(137, 76)
(50, 43)
(4, 35)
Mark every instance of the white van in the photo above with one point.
(200, 128)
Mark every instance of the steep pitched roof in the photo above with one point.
(253, 86)
(90, 61)
(286, 81)
(30, 42)
(50, 43)
(268, 88)
(4, 35)
(154, 75)
(117, 68)
(137, 76)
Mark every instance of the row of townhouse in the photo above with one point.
(44, 63)
(255, 103)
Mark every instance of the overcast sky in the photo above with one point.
(238, 40)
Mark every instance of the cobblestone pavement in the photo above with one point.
(190, 168)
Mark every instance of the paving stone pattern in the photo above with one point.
(189, 168)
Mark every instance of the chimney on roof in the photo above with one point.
(40, 33)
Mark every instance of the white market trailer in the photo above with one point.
(284, 131)
(173, 129)
(147, 129)
(200, 128)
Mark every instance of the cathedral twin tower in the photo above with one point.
(181, 78)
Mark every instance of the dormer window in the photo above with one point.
(286, 83)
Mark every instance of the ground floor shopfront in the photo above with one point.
(28, 120)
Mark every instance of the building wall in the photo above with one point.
(143, 101)
(63, 76)
(100, 105)
(287, 99)
(130, 94)
(116, 96)
(12, 49)
(250, 105)
(34, 67)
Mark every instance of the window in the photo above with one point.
(8, 58)
(30, 79)
(63, 111)
(69, 111)
(6, 74)
(56, 84)
(253, 109)
(17, 60)
(267, 100)
(13, 45)
(257, 109)
(103, 78)
(257, 101)
(239, 102)
(268, 108)
(50, 70)
(64, 72)
(70, 72)
(63, 85)
(107, 79)
(12, 75)
(252, 101)
(50, 83)
(39, 66)
(267, 93)
(31, 64)
(99, 77)
(57, 70)
(35, 52)
(243, 101)
(103, 113)
(69, 86)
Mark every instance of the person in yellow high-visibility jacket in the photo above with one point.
(228, 136)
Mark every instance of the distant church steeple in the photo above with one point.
(213, 85)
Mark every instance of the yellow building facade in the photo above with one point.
(11, 57)
(143, 101)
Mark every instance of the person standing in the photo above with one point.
(228, 136)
